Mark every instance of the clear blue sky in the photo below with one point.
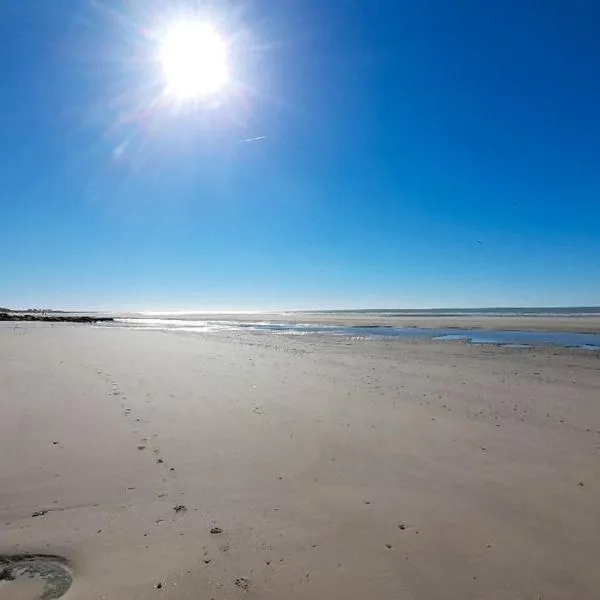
(417, 153)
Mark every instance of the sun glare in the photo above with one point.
(193, 57)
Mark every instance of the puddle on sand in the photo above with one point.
(453, 337)
(22, 589)
(33, 577)
(525, 339)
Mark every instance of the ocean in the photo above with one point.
(563, 311)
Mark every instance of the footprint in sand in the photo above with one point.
(34, 577)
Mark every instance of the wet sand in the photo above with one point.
(171, 465)
(575, 323)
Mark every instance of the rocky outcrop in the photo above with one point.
(55, 318)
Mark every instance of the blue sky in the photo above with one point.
(416, 154)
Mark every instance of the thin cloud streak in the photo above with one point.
(254, 139)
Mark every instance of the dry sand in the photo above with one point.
(331, 469)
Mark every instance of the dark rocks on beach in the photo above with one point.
(52, 318)
(180, 508)
(242, 582)
(6, 575)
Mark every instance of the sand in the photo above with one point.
(325, 468)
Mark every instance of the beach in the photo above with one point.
(174, 465)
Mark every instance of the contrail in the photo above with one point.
(255, 139)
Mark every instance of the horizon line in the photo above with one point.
(300, 310)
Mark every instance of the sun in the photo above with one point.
(194, 60)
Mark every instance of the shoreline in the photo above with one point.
(526, 323)
(575, 324)
(583, 323)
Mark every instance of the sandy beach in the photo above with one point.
(166, 465)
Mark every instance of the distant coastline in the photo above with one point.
(510, 311)
(536, 311)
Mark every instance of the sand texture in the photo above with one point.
(164, 465)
